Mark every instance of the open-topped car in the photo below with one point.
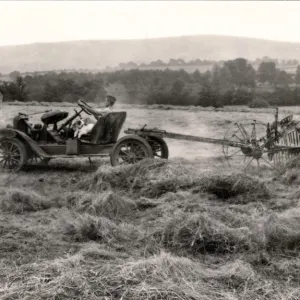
(23, 142)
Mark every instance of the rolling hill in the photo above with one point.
(97, 54)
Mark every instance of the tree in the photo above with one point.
(177, 88)
(209, 96)
(15, 90)
(242, 73)
(157, 63)
(297, 76)
(22, 88)
(178, 93)
(172, 62)
(180, 62)
(282, 78)
(197, 76)
(225, 78)
(207, 77)
(267, 72)
(216, 76)
(13, 75)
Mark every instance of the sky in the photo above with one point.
(23, 22)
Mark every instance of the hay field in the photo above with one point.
(188, 228)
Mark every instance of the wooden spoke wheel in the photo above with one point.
(129, 150)
(159, 147)
(13, 154)
(38, 160)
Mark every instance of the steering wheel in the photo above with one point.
(83, 106)
(85, 103)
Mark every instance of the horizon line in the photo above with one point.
(149, 38)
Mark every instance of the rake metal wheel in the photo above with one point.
(129, 150)
(13, 154)
(252, 134)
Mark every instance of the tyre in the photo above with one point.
(130, 149)
(159, 147)
(13, 154)
(34, 159)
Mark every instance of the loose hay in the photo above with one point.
(163, 276)
(282, 230)
(84, 227)
(155, 189)
(107, 204)
(201, 233)
(240, 186)
(291, 176)
(19, 201)
(294, 163)
(150, 177)
(94, 251)
(112, 205)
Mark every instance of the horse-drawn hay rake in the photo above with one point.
(247, 141)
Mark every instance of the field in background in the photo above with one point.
(189, 228)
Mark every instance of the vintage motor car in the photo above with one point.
(23, 142)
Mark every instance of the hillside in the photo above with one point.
(98, 54)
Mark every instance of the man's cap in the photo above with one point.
(111, 99)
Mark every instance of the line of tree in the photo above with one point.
(198, 62)
(236, 82)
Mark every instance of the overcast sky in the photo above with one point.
(47, 21)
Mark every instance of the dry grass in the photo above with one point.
(242, 187)
(107, 204)
(201, 233)
(165, 276)
(18, 201)
(70, 232)
(151, 178)
(159, 277)
(84, 227)
(283, 230)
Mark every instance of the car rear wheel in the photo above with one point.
(159, 147)
(129, 150)
(13, 154)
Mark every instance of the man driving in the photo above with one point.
(98, 113)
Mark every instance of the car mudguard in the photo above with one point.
(10, 133)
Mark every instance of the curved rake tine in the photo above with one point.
(248, 163)
(228, 162)
(273, 167)
(234, 153)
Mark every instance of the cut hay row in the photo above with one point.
(140, 176)
(154, 178)
(107, 204)
(84, 227)
(18, 201)
(201, 233)
(162, 276)
(159, 277)
(282, 230)
(241, 186)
